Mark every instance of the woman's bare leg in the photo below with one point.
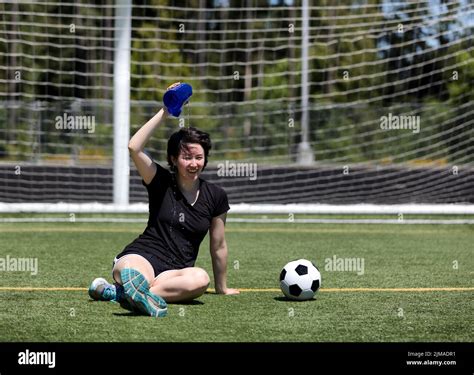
(181, 285)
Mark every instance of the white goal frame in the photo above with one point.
(251, 209)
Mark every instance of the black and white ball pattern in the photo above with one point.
(300, 280)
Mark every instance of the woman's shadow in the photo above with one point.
(185, 303)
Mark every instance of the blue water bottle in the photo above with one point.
(176, 96)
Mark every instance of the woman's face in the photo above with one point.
(190, 162)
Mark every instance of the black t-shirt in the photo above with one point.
(175, 229)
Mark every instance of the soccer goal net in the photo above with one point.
(310, 104)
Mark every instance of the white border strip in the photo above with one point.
(352, 221)
(357, 209)
(239, 220)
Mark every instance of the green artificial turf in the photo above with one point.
(71, 255)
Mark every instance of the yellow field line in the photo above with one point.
(39, 289)
(330, 290)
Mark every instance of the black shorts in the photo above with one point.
(158, 266)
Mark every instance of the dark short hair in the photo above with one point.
(180, 139)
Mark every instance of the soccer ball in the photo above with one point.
(300, 280)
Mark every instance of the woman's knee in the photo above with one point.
(136, 262)
(201, 278)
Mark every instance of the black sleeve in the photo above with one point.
(161, 175)
(221, 202)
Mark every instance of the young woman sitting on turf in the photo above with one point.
(158, 266)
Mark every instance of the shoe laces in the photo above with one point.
(108, 292)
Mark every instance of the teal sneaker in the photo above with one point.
(137, 293)
(101, 290)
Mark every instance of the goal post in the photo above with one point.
(122, 101)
